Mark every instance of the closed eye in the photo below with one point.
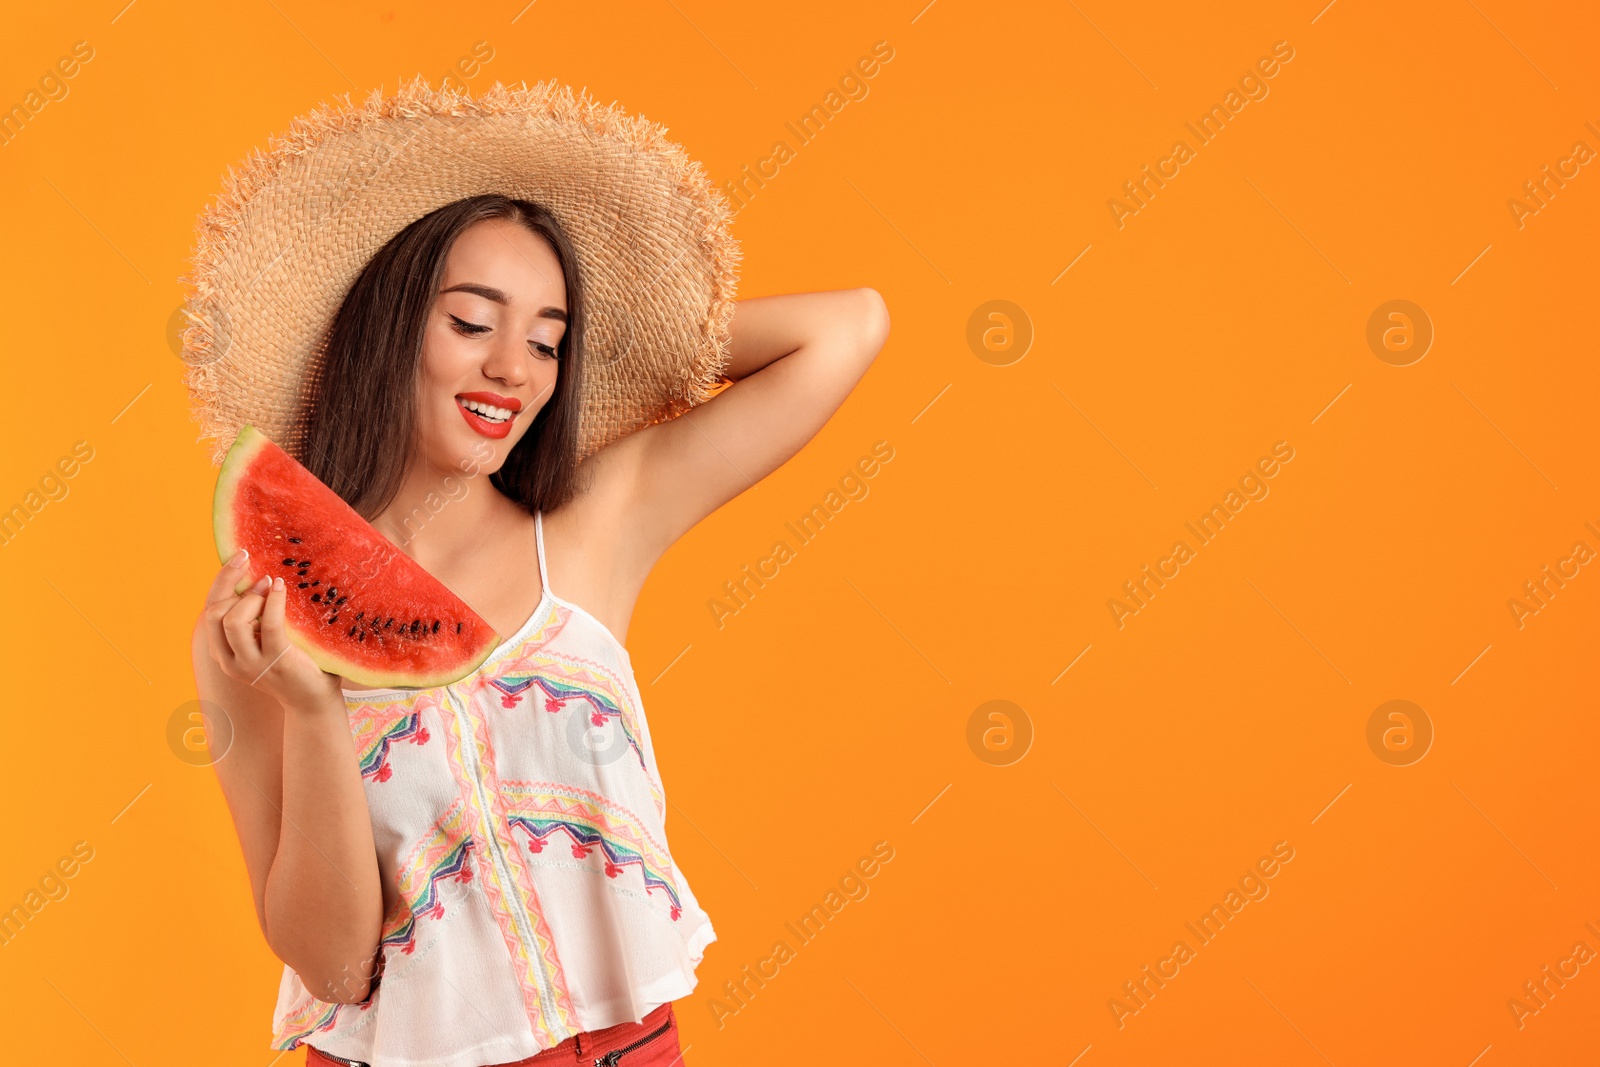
(471, 329)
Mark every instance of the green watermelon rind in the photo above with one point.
(234, 465)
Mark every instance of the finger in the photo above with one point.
(227, 580)
(237, 627)
(273, 635)
(214, 612)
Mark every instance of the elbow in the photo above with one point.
(347, 987)
(873, 325)
(332, 981)
(356, 993)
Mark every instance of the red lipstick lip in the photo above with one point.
(496, 430)
(495, 399)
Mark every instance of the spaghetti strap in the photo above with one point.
(538, 539)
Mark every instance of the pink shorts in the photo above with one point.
(652, 1042)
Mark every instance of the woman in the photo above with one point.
(505, 895)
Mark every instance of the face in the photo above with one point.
(489, 360)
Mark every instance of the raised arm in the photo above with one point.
(793, 359)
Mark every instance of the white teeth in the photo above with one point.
(493, 414)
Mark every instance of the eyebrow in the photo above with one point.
(489, 292)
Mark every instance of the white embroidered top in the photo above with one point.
(520, 817)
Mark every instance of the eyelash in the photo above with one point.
(473, 329)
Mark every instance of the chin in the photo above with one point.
(481, 455)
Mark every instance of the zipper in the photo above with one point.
(611, 1059)
(341, 1059)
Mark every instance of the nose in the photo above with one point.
(506, 361)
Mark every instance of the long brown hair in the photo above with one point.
(363, 409)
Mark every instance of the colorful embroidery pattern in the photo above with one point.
(564, 679)
(544, 985)
(313, 1015)
(558, 691)
(443, 855)
(590, 821)
(376, 729)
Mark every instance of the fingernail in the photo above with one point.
(277, 583)
(239, 557)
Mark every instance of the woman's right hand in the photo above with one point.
(249, 642)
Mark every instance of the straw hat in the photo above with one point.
(277, 251)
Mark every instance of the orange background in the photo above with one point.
(1226, 716)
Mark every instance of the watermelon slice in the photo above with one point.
(358, 605)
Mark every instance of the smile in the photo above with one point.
(493, 414)
(488, 419)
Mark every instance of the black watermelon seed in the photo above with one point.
(341, 600)
(294, 540)
(415, 623)
(388, 624)
(317, 582)
(363, 636)
(359, 614)
(302, 585)
(316, 597)
(334, 619)
(352, 631)
(458, 627)
(435, 625)
(288, 563)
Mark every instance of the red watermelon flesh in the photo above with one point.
(358, 605)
